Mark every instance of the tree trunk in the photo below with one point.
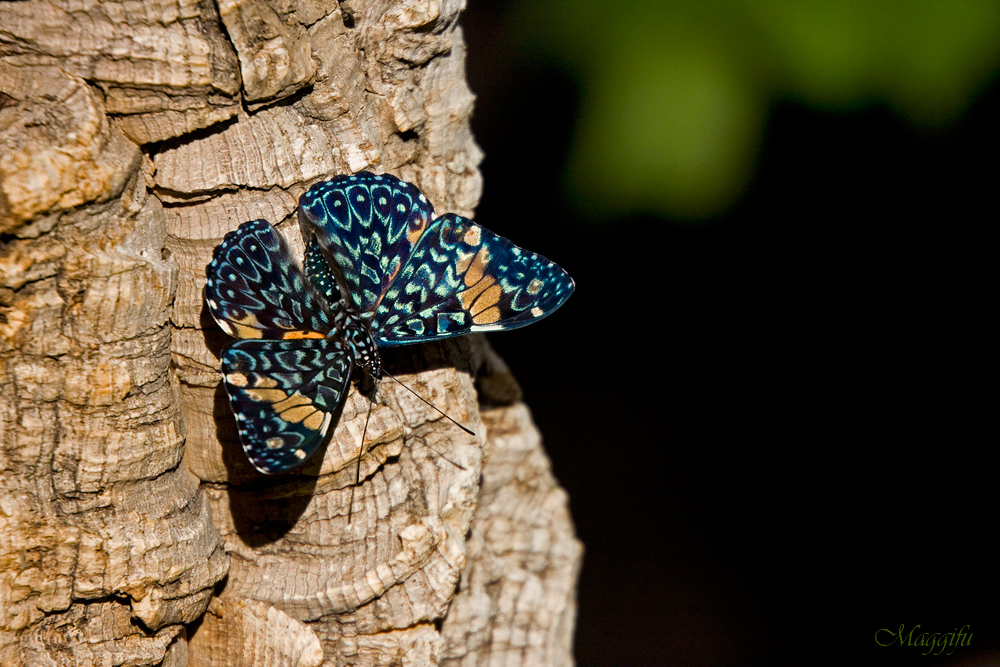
(133, 136)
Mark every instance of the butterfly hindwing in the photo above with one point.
(366, 226)
(284, 394)
(255, 288)
(462, 277)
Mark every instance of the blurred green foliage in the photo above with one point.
(676, 92)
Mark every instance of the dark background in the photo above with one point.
(776, 425)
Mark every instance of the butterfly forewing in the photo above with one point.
(461, 277)
(255, 288)
(284, 394)
(366, 226)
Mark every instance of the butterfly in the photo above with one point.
(379, 270)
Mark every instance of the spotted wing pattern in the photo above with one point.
(284, 394)
(256, 290)
(366, 225)
(462, 277)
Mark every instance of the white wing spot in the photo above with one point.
(299, 454)
(275, 443)
(472, 237)
(536, 311)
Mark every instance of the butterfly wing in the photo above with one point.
(462, 277)
(366, 226)
(284, 394)
(256, 290)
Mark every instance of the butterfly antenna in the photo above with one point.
(441, 454)
(470, 432)
(361, 451)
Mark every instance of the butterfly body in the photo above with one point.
(379, 270)
(353, 330)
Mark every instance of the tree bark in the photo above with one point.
(133, 136)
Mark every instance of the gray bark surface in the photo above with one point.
(133, 531)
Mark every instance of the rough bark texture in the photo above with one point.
(133, 136)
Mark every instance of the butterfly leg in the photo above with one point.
(361, 450)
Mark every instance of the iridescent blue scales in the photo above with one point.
(380, 270)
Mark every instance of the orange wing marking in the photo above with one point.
(292, 408)
(478, 267)
(245, 327)
(266, 395)
(291, 402)
(288, 335)
(415, 232)
(317, 421)
(295, 415)
(478, 282)
(468, 297)
(489, 316)
(488, 298)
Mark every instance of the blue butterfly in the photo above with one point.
(379, 270)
